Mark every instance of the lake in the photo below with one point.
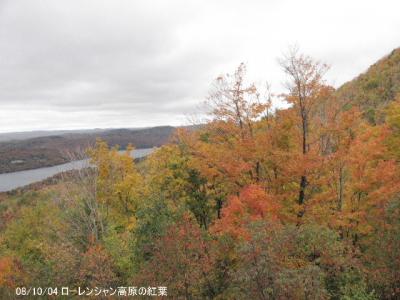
(10, 181)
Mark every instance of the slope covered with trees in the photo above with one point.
(18, 155)
(302, 203)
(375, 89)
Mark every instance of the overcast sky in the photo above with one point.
(68, 64)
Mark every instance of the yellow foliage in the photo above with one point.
(119, 184)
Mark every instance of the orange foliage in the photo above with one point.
(11, 273)
(252, 204)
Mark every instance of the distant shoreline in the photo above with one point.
(49, 151)
(20, 179)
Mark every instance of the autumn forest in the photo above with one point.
(255, 202)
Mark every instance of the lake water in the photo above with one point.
(10, 181)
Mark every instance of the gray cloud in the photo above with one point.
(123, 63)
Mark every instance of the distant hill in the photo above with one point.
(53, 149)
(373, 90)
(16, 136)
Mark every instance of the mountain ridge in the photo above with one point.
(50, 150)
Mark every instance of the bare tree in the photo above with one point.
(81, 192)
(304, 86)
(232, 100)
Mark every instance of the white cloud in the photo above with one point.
(123, 63)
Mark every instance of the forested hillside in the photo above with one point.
(57, 149)
(373, 90)
(300, 203)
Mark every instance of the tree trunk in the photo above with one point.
(303, 180)
(303, 185)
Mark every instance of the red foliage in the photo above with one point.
(252, 204)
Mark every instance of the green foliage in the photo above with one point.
(153, 219)
(354, 288)
(169, 172)
(119, 247)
